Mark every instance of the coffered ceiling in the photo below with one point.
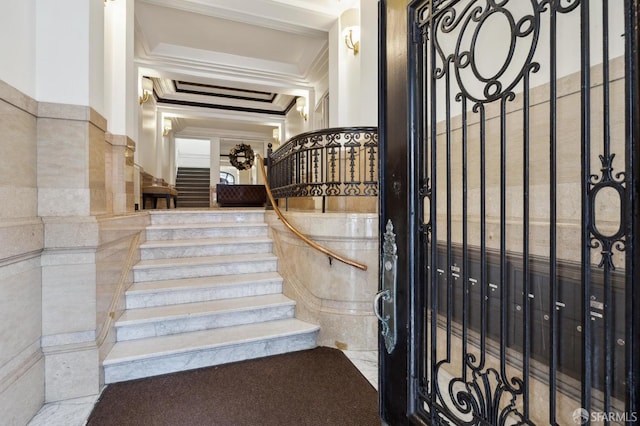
(247, 59)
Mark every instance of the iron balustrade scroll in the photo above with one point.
(332, 162)
(481, 299)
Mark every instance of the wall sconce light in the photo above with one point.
(350, 42)
(145, 97)
(301, 104)
(276, 135)
(146, 87)
(350, 27)
(167, 127)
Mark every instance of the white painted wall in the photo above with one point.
(18, 45)
(146, 145)
(368, 101)
(294, 124)
(353, 79)
(121, 92)
(193, 152)
(70, 52)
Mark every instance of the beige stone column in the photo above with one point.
(72, 189)
(120, 173)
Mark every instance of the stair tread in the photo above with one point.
(225, 211)
(201, 282)
(203, 242)
(203, 260)
(152, 347)
(160, 313)
(161, 227)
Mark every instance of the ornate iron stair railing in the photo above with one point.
(340, 161)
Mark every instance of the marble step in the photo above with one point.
(207, 230)
(160, 217)
(162, 249)
(153, 356)
(175, 319)
(203, 266)
(191, 290)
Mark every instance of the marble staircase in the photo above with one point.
(206, 292)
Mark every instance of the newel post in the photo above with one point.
(267, 163)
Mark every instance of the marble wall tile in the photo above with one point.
(336, 296)
(12, 96)
(17, 146)
(23, 202)
(18, 154)
(98, 148)
(74, 137)
(75, 231)
(68, 297)
(20, 296)
(22, 237)
(71, 374)
(63, 143)
(20, 401)
(63, 202)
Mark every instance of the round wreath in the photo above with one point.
(242, 157)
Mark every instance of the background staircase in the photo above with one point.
(206, 292)
(193, 187)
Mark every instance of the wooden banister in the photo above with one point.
(286, 223)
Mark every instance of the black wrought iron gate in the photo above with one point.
(524, 158)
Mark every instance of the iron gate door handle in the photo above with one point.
(384, 305)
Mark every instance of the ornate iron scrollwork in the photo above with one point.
(616, 240)
(330, 162)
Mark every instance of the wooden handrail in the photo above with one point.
(314, 245)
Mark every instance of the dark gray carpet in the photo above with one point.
(307, 388)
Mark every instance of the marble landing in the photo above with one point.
(72, 412)
(75, 412)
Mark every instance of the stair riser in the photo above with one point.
(207, 217)
(190, 233)
(207, 357)
(195, 204)
(166, 298)
(202, 250)
(193, 183)
(195, 271)
(203, 322)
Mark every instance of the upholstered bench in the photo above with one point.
(241, 195)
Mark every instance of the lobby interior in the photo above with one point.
(97, 94)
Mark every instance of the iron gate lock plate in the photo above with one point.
(384, 304)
